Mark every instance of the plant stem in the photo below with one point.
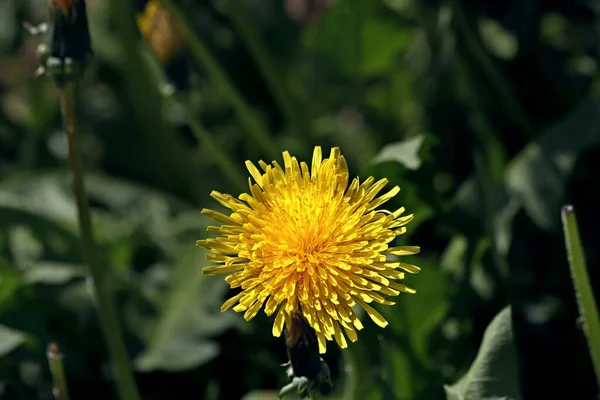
(203, 56)
(225, 163)
(59, 387)
(358, 379)
(497, 80)
(270, 71)
(106, 307)
(583, 289)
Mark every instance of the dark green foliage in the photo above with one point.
(484, 113)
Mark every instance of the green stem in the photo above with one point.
(583, 289)
(106, 306)
(203, 56)
(225, 163)
(358, 379)
(270, 72)
(59, 387)
(501, 85)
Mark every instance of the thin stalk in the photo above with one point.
(106, 307)
(498, 81)
(270, 71)
(226, 165)
(358, 378)
(59, 382)
(583, 289)
(202, 55)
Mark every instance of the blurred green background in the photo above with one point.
(485, 113)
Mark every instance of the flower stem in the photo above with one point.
(358, 380)
(59, 387)
(583, 290)
(501, 85)
(231, 171)
(204, 57)
(264, 60)
(106, 307)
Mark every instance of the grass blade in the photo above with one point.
(202, 55)
(59, 387)
(583, 290)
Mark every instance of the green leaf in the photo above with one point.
(425, 310)
(405, 152)
(24, 245)
(382, 42)
(261, 395)
(493, 374)
(190, 315)
(583, 288)
(10, 339)
(500, 42)
(52, 273)
(537, 177)
(357, 40)
(412, 321)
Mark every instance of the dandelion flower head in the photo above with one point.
(305, 242)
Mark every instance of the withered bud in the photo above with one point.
(67, 47)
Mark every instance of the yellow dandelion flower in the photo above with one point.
(303, 241)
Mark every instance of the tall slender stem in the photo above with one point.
(583, 289)
(106, 307)
(59, 382)
(271, 72)
(498, 81)
(227, 166)
(204, 57)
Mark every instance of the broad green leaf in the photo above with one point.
(425, 310)
(414, 318)
(52, 273)
(500, 42)
(493, 374)
(25, 246)
(190, 315)
(10, 339)
(453, 260)
(537, 177)
(357, 40)
(382, 42)
(114, 192)
(405, 152)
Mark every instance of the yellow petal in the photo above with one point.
(258, 178)
(403, 250)
(222, 269)
(375, 316)
(339, 336)
(316, 161)
(322, 343)
(219, 216)
(231, 301)
(278, 324)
